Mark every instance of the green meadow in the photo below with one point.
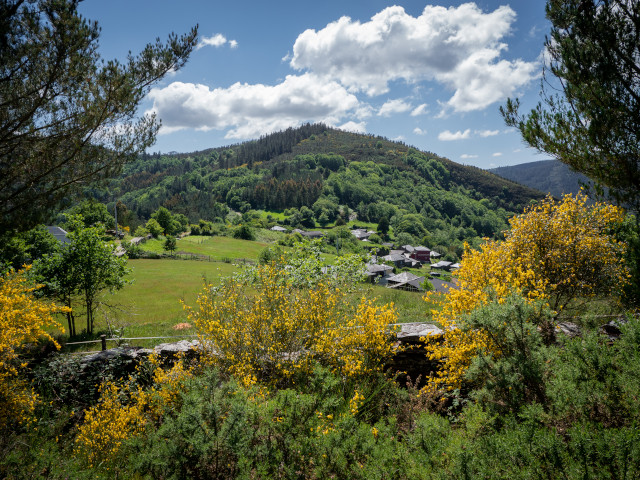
(151, 305)
(217, 248)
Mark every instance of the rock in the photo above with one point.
(103, 356)
(411, 333)
(185, 347)
(570, 329)
(612, 329)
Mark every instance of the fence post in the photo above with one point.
(103, 339)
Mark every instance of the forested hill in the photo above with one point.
(323, 169)
(549, 176)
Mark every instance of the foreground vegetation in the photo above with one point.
(292, 381)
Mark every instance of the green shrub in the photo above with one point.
(244, 232)
(515, 377)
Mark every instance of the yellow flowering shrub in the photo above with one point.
(109, 423)
(124, 412)
(280, 329)
(556, 251)
(362, 341)
(23, 319)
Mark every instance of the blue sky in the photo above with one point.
(430, 74)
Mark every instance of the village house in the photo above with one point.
(442, 265)
(59, 233)
(422, 254)
(406, 281)
(376, 272)
(361, 233)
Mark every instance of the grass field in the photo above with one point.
(218, 248)
(150, 306)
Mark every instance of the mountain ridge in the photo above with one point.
(547, 176)
(325, 170)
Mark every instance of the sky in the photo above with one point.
(431, 74)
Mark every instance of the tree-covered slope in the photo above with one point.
(324, 170)
(548, 176)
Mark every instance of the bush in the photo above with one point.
(508, 371)
(133, 250)
(244, 232)
(282, 330)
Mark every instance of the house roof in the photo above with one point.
(379, 268)
(440, 286)
(435, 254)
(421, 249)
(59, 233)
(394, 257)
(441, 264)
(408, 248)
(405, 277)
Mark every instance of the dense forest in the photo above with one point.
(325, 170)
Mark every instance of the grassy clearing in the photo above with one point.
(277, 216)
(410, 306)
(218, 248)
(151, 305)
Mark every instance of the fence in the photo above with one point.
(195, 256)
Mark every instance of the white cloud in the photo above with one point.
(394, 106)
(216, 40)
(420, 110)
(351, 126)
(457, 46)
(448, 136)
(419, 131)
(487, 133)
(465, 156)
(497, 154)
(251, 110)
(517, 150)
(399, 138)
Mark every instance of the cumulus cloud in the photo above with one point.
(216, 40)
(419, 131)
(448, 136)
(419, 110)
(459, 47)
(466, 155)
(251, 110)
(351, 126)
(497, 154)
(394, 106)
(487, 133)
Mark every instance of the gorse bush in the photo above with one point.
(559, 252)
(511, 373)
(23, 319)
(280, 330)
(125, 411)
